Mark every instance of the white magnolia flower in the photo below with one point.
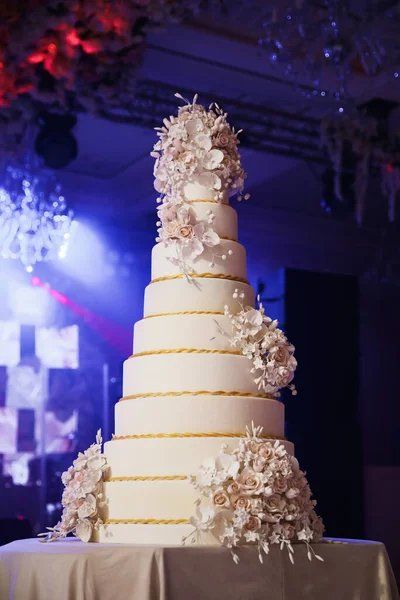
(204, 519)
(84, 529)
(88, 507)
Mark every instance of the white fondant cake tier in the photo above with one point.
(202, 294)
(152, 535)
(181, 331)
(195, 191)
(146, 457)
(153, 499)
(225, 221)
(197, 414)
(234, 265)
(190, 372)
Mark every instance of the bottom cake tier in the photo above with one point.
(148, 497)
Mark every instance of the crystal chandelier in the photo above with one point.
(34, 222)
(327, 44)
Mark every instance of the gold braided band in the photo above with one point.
(204, 200)
(209, 434)
(184, 351)
(148, 478)
(200, 275)
(186, 312)
(228, 239)
(197, 393)
(148, 521)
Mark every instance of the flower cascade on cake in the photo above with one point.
(198, 147)
(257, 495)
(258, 337)
(82, 497)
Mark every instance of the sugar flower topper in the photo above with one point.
(258, 337)
(82, 497)
(257, 495)
(198, 146)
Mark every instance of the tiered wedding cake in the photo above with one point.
(186, 460)
(186, 389)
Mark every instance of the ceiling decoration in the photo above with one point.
(328, 44)
(74, 56)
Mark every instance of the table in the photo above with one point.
(70, 570)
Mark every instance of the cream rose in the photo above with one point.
(266, 452)
(221, 499)
(253, 523)
(171, 229)
(241, 502)
(251, 482)
(185, 231)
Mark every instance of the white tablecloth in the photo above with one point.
(70, 570)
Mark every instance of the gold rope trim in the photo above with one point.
(212, 201)
(183, 351)
(228, 239)
(186, 312)
(148, 478)
(209, 434)
(200, 275)
(197, 393)
(148, 521)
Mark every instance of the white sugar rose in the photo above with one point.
(266, 451)
(171, 229)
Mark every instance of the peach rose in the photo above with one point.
(171, 229)
(185, 231)
(253, 523)
(241, 502)
(221, 499)
(234, 488)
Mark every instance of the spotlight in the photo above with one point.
(55, 142)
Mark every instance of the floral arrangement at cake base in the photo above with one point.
(257, 495)
(82, 498)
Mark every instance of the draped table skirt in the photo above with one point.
(71, 570)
